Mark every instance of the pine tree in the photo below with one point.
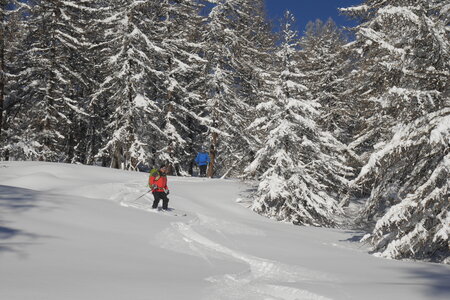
(237, 41)
(3, 20)
(293, 166)
(12, 33)
(133, 75)
(43, 83)
(98, 112)
(325, 62)
(410, 201)
(183, 77)
(8, 11)
(81, 22)
(253, 61)
(405, 58)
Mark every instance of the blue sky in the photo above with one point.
(310, 10)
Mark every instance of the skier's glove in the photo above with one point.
(167, 192)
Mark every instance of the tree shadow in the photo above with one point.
(437, 277)
(15, 200)
(250, 190)
(356, 237)
(8, 233)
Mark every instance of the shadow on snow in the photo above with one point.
(15, 200)
(437, 279)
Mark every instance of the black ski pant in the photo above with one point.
(160, 196)
(203, 170)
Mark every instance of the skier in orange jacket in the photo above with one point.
(158, 184)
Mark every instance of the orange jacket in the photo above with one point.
(158, 182)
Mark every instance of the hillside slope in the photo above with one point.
(77, 232)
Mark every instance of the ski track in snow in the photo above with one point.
(255, 282)
(252, 283)
(143, 203)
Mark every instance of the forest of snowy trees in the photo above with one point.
(321, 121)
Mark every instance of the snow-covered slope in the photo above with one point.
(77, 232)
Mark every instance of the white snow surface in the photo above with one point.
(77, 232)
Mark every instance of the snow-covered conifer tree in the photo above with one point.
(410, 198)
(182, 82)
(405, 62)
(98, 108)
(80, 39)
(238, 40)
(133, 75)
(44, 84)
(10, 33)
(3, 24)
(8, 24)
(295, 171)
(325, 62)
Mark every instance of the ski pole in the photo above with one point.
(142, 195)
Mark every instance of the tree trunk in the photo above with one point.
(170, 148)
(212, 154)
(116, 159)
(2, 64)
(2, 83)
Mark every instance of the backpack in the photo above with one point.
(155, 173)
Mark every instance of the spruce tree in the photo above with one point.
(294, 165)
(183, 78)
(3, 24)
(237, 43)
(133, 75)
(325, 62)
(81, 20)
(405, 60)
(44, 83)
(8, 40)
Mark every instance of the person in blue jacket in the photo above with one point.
(202, 160)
